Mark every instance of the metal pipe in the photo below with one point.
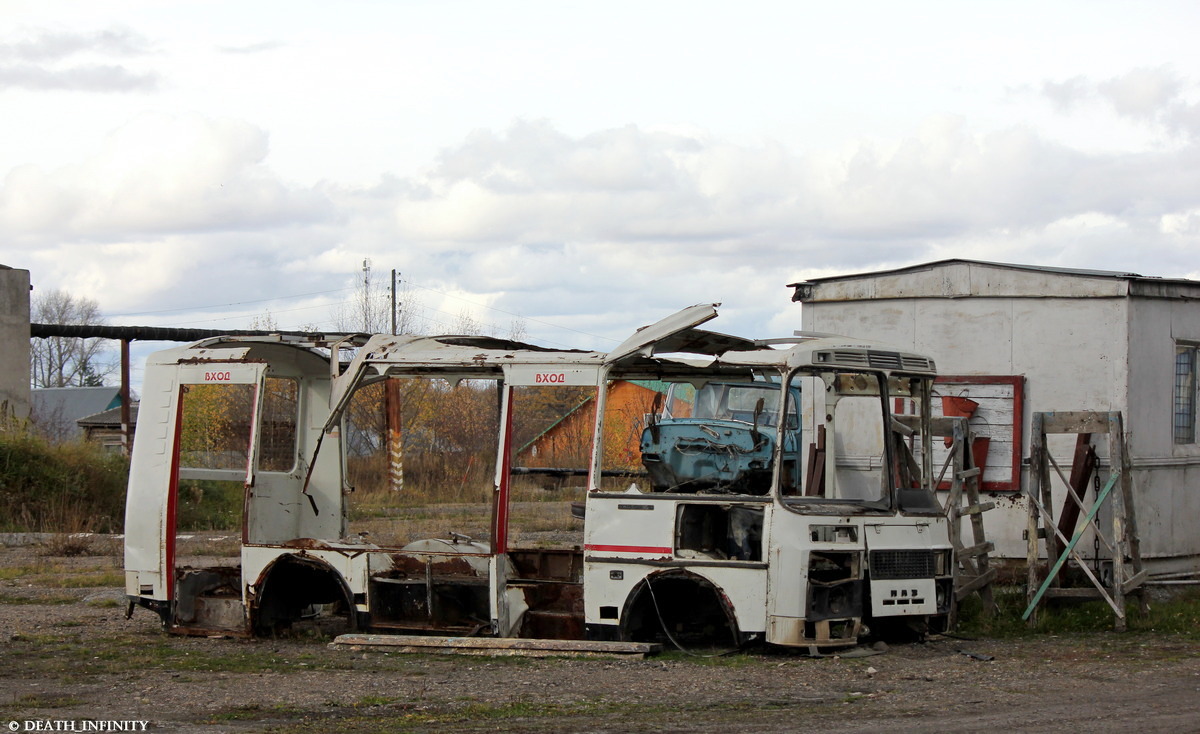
(148, 333)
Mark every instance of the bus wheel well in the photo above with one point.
(294, 587)
(679, 607)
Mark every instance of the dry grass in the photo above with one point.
(71, 545)
(538, 516)
(66, 575)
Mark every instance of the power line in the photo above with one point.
(286, 310)
(223, 305)
(510, 313)
(431, 289)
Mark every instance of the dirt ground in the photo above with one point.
(69, 656)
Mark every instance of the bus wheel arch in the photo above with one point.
(291, 585)
(683, 607)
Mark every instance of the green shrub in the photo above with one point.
(72, 487)
(209, 505)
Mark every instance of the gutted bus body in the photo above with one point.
(792, 506)
(796, 521)
(213, 419)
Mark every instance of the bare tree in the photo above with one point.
(68, 361)
(371, 310)
(517, 330)
(265, 322)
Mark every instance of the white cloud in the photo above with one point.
(1157, 98)
(59, 60)
(1142, 93)
(156, 174)
(1068, 94)
(592, 232)
(1181, 224)
(214, 156)
(602, 227)
(43, 45)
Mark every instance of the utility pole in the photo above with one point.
(391, 402)
(364, 304)
(394, 314)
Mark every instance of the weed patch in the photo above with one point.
(73, 487)
(52, 599)
(36, 701)
(70, 545)
(1180, 616)
(83, 580)
(366, 701)
(60, 576)
(255, 712)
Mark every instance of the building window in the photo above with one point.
(1185, 394)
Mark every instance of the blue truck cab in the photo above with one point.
(720, 438)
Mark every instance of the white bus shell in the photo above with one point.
(294, 551)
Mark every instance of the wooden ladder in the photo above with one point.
(1120, 536)
(972, 573)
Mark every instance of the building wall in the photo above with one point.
(1166, 474)
(14, 332)
(1072, 352)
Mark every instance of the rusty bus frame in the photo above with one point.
(294, 551)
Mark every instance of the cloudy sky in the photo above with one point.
(581, 167)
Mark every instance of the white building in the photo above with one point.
(14, 327)
(1020, 339)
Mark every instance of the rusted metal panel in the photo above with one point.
(497, 647)
(646, 337)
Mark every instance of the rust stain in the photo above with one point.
(406, 565)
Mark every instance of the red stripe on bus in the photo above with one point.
(629, 548)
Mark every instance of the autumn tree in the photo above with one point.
(61, 361)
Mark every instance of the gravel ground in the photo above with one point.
(69, 655)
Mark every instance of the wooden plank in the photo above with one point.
(973, 585)
(501, 647)
(1116, 454)
(978, 549)
(1137, 580)
(1075, 421)
(998, 418)
(1037, 462)
(814, 480)
(940, 426)
(1088, 592)
(1083, 464)
(977, 509)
